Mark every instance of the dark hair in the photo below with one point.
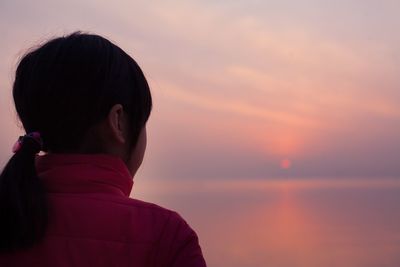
(62, 89)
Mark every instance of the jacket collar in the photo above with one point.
(84, 173)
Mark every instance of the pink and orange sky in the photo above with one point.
(242, 89)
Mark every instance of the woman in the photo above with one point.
(85, 102)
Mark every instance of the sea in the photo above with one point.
(287, 222)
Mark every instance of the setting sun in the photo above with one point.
(286, 164)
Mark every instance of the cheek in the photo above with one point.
(141, 147)
(138, 153)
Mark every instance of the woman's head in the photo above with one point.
(65, 88)
(83, 94)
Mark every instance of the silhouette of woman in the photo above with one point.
(85, 103)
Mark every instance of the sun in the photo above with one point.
(286, 164)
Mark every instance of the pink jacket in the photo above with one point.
(93, 222)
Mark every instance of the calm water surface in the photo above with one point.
(288, 223)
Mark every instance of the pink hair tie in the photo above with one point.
(34, 135)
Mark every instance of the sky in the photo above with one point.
(242, 89)
(240, 86)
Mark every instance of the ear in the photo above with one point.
(117, 122)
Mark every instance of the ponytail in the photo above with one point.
(23, 205)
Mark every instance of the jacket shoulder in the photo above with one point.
(178, 243)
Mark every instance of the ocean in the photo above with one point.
(288, 222)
